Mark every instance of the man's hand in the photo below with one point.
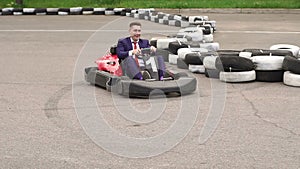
(153, 49)
(136, 52)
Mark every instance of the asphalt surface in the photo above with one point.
(44, 99)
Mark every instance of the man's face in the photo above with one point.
(135, 32)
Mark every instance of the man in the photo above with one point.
(130, 47)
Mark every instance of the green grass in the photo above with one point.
(157, 3)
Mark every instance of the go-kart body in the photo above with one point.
(109, 75)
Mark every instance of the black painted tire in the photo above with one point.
(261, 52)
(194, 59)
(228, 52)
(294, 49)
(99, 11)
(41, 11)
(269, 76)
(291, 64)
(174, 46)
(234, 64)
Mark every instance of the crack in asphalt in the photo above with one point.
(256, 114)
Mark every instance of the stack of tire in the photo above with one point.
(269, 63)
(291, 64)
(233, 68)
(212, 68)
(193, 46)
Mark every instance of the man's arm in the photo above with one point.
(121, 52)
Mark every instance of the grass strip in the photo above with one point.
(290, 4)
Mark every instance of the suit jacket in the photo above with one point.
(125, 45)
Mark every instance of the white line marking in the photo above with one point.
(84, 30)
(147, 31)
(259, 32)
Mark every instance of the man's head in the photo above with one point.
(135, 30)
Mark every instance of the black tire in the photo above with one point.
(64, 10)
(261, 52)
(86, 11)
(291, 64)
(269, 76)
(206, 30)
(17, 10)
(234, 64)
(174, 46)
(194, 59)
(99, 11)
(40, 10)
(228, 52)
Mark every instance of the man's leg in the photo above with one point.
(131, 68)
(161, 67)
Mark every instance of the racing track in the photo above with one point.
(259, 126)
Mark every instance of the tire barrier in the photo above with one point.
(291, 79)
(196, 69)
(294, 49)
(234, 77)
(150, 14)
(291, 64)
(234, 64)
(261, 52)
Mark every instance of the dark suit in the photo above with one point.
(125, 45)
(129, 64)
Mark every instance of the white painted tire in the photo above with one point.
(183, 51)
(268, 62)
(291, 79)
(99, 9)
(28, 10)
(17, 13)
(244, 76)
(208, 38)
(63, 13)
(75, 9)
(214, 46)
(109, 12)
(195, 32)
(197, 68)
(172, 22)
(173, 59)
(87, 12)
(294, 49)
(51, 9)
(245, 54)
(209, 62)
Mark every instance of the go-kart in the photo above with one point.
(110, 75)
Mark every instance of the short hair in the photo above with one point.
(135, 24)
